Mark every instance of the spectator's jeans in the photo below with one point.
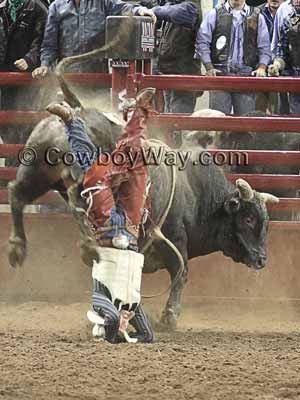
(241, 103)
(179, 101)
(294, 103)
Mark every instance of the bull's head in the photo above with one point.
(246, 225)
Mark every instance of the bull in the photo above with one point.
(207, 213)
(196, 209)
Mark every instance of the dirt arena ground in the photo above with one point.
(224, 349)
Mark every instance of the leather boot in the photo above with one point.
(63, 110)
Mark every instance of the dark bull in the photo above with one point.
(207, 213)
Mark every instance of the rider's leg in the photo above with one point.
(141, 324)
(102, 305)
(75, 129)
(132, 195)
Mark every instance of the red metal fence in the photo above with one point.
(134, 81)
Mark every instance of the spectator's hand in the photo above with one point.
(260, 72)
(213, 72)
(277, 66)
(40, 72)
(21, 64)
(145, 12)
(274, 69)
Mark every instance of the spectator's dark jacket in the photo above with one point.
(223, 29)
(177, 48)
(23, 38)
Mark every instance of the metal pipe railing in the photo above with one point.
(25, 78)
(228, 123)
(227, 83)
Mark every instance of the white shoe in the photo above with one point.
(95, 318)
(98, 331)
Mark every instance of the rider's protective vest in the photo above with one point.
(221, 43)
(121, 272)
(294, 41)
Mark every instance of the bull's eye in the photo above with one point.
(250, 221)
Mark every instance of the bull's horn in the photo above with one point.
(245, 189)
(268, 198)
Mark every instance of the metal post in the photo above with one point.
(131, 79)
(119, 77)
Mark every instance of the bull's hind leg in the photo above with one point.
(172, 309)
(28, 186)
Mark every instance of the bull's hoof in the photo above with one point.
(168, 320)
(16, 252)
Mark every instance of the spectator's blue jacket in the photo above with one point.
(71, 30)
(185, 13)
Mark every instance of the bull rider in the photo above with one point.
(115, 196)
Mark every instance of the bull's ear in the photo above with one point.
(232, 204)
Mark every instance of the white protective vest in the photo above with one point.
(121, 272)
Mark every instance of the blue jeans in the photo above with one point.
(80, 143)
(179, 101)
(242, 103)
(294, 103)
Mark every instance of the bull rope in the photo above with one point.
(156, 232)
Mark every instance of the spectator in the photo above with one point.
(269, 11)
(268, 101)
(233, 40)
(77, 26)
(176, 56)
(22, 25)
(287, 56)
(283, 11)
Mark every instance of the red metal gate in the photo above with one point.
(136, 80)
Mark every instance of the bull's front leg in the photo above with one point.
(17, 239)
(30, 184)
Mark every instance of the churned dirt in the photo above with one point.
(224, 349)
